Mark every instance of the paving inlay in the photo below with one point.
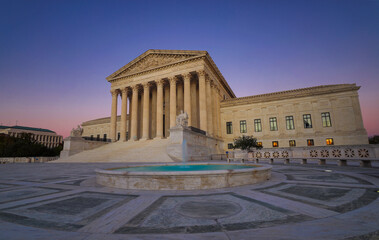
(62, 201)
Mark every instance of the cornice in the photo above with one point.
(296, 93)
(101, 121)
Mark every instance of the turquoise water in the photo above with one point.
(182, 168)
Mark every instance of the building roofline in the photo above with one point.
(296, 93)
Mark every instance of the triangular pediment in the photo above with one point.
(152, 59)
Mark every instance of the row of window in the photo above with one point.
(290, 123)
(105, 137)
(292, 143)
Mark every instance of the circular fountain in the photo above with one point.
(190, 176)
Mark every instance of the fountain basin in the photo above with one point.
(198, 176)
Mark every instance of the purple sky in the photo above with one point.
(55, 55)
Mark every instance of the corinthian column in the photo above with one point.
(159, 109)
(202, 101)
(124, 110)
(134, 125)
(214, 109)
(209, 106)
(172, 101)
(114, 115)
(146, 108)
(187, 97)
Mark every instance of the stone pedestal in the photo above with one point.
(73, 145)
(198, 146)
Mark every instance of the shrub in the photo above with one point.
(246, 143)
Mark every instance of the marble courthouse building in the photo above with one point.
(156, 86)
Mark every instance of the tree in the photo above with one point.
(246, 143)
(374, 139)
(25, 146)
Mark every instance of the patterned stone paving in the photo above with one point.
(62, 201)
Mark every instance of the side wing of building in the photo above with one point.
(317, 116)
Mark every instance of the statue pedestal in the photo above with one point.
(73, 145)
(199, 146)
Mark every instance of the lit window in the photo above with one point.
(307, 121)
(292, 143)
(229, 128)
(325, 117)
(275, 144)
(257, 125)
(273, 124)
(310, 142)
(329, 141)
(290, 125)
(230, 145)
(243, 126)
(259, 144)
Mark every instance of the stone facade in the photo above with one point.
(158, 85)
(337, 105)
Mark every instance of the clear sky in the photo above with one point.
(55, 54)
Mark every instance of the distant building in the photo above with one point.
(45, 137)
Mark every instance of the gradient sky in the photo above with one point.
(55, 55)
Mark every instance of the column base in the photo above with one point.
(159, 137)
(144, 139)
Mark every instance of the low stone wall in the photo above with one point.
(345, 151)
(198, 146)
(74, 145)
(27, 159)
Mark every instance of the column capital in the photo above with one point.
(114, 92)
(125, 90)
(136, 87)
(187, 76)
(173, 79)
(207, 78)
(147, 85)
(160, 82)
(201, 73)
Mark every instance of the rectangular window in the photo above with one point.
(243, 126)
(325, 117)
(292, 143)
(127, 135)
(98, 137)
(275, 144)
(290, 125)
(118, 136)
(229, 128)
(105, 137)
(257, 125)
(310, 142)
(230, 145)
(329, 141)
(273, 124)
(259, 144)
(91, 137)
(307, 121)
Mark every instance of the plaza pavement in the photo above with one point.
(62, 201)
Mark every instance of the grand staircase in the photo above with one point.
(130, 151)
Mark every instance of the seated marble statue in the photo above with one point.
(76, 132)
(182, 119)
